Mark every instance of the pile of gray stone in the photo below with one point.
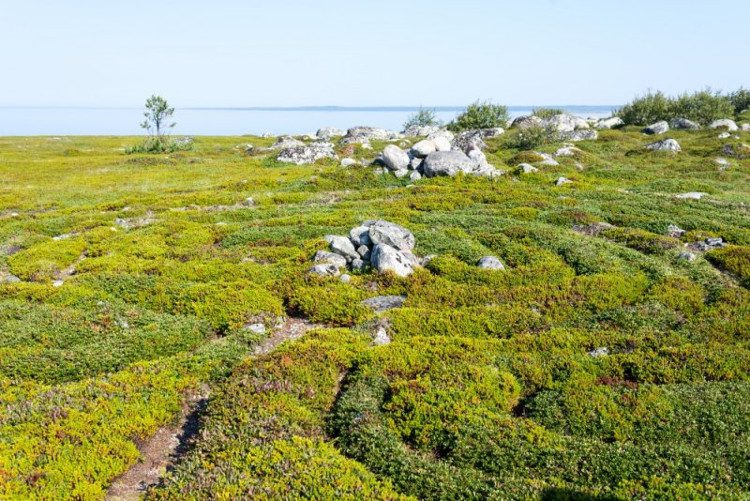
(566, 127)
(381, 245)
(442, 153)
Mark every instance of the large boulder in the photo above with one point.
(361, 135)
(306, 153)
(284, 142)
(565, 122)
(469, 140)
(683, 124)
(609, 123)
(325, 257)
(420, 130)
(664, 145)
(395, 158)
(391, 234)
(423, 148)
(657, 128)
(527, 121)
(385, 258)
(724, 123)
(447, 163)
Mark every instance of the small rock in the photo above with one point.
(567, 151)
(284, 142)
(345, 278)
(358, 265)
(527, 121)
(393, 235)
(490, 263)
(547, 159)
(360, 235)
(657, 128)
(610, 123)
(745, 127)
(562, 180)
(306, 154)
(328, 132)
(57, 283)
(249, 202)
(416, 163)
(415, 176)
(726, 123)
(364, 252)
(388, 259)
(325, 270)
(381, 337)
(526, 169)
(348, 162)
(257, 328)
(379, 304)
(687, 256)
(675, 231)
(691, 195)
(325, 257)
(684, 124)
(724, 135)
(664, 145)
(578, 135)
(599, 352)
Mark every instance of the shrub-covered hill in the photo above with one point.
(606, 361)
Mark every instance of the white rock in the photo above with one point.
(562, 180)
(395, 158)
(342, 245)
(724, 135)
(401, 173)
(664, 145)
(684, 124)
(386, 258)
(525, 168)
(415, 176)
(490, 263)
(391, 234)
(657, 128)
(345, 278)
(257, 328)
(609, 123)
(381, 337)
(423, 148)
(348, 162)
(730, 125)
(691, 195)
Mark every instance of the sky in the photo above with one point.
(367, 53)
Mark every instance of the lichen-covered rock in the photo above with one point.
(385, 232)
(283, 142)
(683, 124)
(724, 123)
(664, 145)
(363, 135)
(527, 121)
(423, 148)
(420, 130)
(343, 246)
(565, 122)
(388, 259)
(395, 158)
(379, 304)
(609, 123)
(306, 154)
(328, 133)
(657, 128)
(578, 135)
(525, 168)
(490, 263)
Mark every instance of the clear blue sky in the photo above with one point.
(386, 52)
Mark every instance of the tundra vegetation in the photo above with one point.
(605, 361)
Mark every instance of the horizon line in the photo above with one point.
(304, 107)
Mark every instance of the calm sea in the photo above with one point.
(30, 121)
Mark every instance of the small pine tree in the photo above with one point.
(157, 114)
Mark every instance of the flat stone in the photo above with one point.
(379, 304)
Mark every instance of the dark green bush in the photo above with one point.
(160, 144)
(647, 109)
(702, 107)
(480, 115)
(740, 100)
(532, 137)
(547, 112)
(422, 118)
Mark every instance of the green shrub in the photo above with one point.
(740, 100)
(532, 137)
(160, 144)
(735, 260)
(422, 118)
(647, 109)
(480, 115)
(702, 107)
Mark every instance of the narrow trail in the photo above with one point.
(165, 447)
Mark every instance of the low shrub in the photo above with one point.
(532, 137)
(160, 144)
(480, 115)
(702, 107)
(740, 100)
(424, 117)
(544, 113)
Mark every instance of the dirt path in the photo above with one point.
(169, 443)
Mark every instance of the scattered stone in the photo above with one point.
(567, 151)
(345, 278)
(526, 169)
(325, 257)
(727, 123)
(249, 149)
(599, 352)
(691, 195)
(348, 162)
(57, 283)
(609, 123)
(490, 263)
(381, 337)
(664, 145)
(578, 135)
(384, 232)
(249, 202)
(395, 158)
(707, 244)
(527, 121)
(416, 163)
(8, 278)
(135, 222)
(547, 159)
(420, 130)
(306, 154)
(675, 231)
(379, 304)
(284, 142)
(358, 264)
(724, 135)
(687, 256)
(325, 270)
(593, 229)
(657, 128)
(385, 258)
(257, 328)
(415, 176)
(565, 122)
(684, 124)
(360, 235)
(745, 127)
(364, 252)
(562, 180)
(328, 133)
(443, 140)
(362, 135)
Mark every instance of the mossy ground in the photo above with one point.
(487, 390)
